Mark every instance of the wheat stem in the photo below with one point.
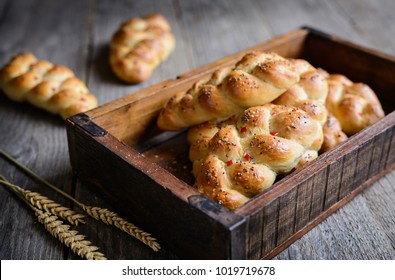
(14, 188)
(44, 203)
(37, 177)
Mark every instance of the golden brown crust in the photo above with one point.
(258, 78)
(333, 134)
(51, 87)
(235, 159)
(139, 46)
(314, 86)
(355, 105)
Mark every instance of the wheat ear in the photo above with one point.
(56, 228)
(104, 215)
(111, 218)
(77, 242)
(44, 203)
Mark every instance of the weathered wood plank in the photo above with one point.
(348, 174)
(347, 235)
(303, 204)
(36, 138)
(216, 29)
(333, 183)
(269, 226)
(383, 211)
(370, 31)
(364, 163)
(379, 153)
(317, 201)
(255, 223)
(286, 216)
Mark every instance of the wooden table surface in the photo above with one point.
(77, 33)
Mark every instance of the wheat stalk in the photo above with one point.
(111, 218)
(98, 213)
(44, 203)
(70, 238)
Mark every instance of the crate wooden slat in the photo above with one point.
(145, 172)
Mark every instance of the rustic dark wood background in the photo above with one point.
(77, 33)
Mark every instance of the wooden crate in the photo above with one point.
(147, 175)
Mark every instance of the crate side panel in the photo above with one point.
(185, 229)
(379, 150)
(391, 149)
(319, 186)
(363, 164)
(269, 226)
(359, 64)
(303, 203)
(334, 178)
(347, 182)
(286, 216)
(254, 234)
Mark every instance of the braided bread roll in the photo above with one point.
(236, 159)
(139, 46)
(355, 105)
(313, 85)
(258, 78)
(333, 134)
(51, 87)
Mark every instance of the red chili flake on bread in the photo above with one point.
(273, 133)
(247, 157)
(229, 162)
(243, 129)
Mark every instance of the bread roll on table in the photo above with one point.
(53, 88)
(139, 46)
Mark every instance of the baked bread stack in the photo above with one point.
(139, 46)
(238, 158)
(263, 117)
(53, 88)
(236, 154)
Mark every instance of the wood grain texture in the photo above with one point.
(76, 34)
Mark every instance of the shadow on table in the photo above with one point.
(26, 112)
(101, 66)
